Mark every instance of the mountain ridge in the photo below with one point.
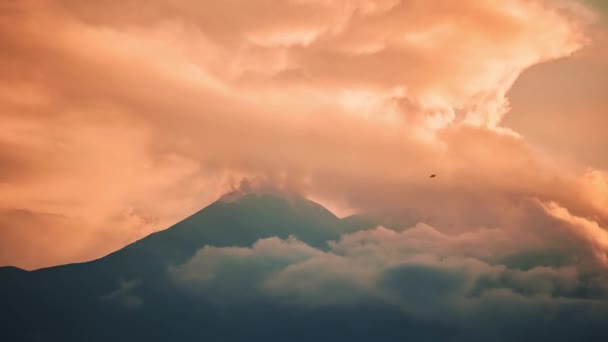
(213, 277)
(63, 299)
(237, 197)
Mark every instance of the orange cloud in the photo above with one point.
(595, 235)
(130, 118)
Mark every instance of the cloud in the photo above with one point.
(135, 117)
(39, 231)
(567, 93)
(271, 266)
(595, 235)
(464, 280)
(123, 295)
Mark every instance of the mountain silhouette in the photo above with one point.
(132, 294)
(74, 302)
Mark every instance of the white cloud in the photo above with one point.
(426, 273)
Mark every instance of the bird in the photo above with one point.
(433, 176)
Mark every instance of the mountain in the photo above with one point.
(264, 267)
(73, 302)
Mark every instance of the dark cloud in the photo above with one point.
(483, 281)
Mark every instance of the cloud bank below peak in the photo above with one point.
(484, 281)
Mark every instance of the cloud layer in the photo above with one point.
(484, 281)
(131, 117)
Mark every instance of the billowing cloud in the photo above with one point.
(458, 280)
(568, 93)
(595, 235)
(132, 117)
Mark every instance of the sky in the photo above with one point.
(120, 118)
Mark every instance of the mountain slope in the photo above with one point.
(231, 272)
(75, 298)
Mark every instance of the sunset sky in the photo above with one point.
(118, 120)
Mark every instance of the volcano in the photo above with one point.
(128, 294)
(269, 267)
